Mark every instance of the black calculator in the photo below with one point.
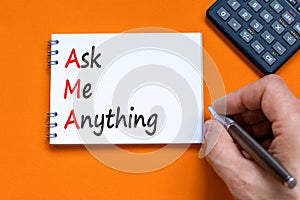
(266, 31)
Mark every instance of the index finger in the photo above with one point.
(269, 94)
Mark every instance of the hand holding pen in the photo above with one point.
(270, 113)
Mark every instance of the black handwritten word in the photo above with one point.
(93, 59)
(113, 120)
(86, 92)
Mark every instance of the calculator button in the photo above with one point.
(279, 48)
(224, 14)
(254, 5)
(257, 47)
(278, 27)
(269, 58)
(289, 38)
(297, 27)
(234, 24)
(245, 15)
(292, 2)
(246, 36)
(288, 17)
(234, 4)
(267, 37)
(276, 6)
(265, 15)
(256, 26)
(298, 8)
(266, 1)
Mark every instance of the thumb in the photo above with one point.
(224, 156)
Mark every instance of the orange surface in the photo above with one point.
(32, 169)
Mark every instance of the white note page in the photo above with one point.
(132, 88)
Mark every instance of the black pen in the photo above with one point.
(255, 150)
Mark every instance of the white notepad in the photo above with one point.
(129, 88)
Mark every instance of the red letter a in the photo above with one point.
(71, 59)
(69, 121)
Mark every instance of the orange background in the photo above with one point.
(32, 169)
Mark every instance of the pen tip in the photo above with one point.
(211, 110)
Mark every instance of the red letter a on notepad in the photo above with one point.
(69, 121)
(72, 58)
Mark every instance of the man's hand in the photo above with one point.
(269, 111)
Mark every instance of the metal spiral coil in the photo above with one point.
(52, 53)
(51, 125)
(51, 114)
(51, 135)
(52, 62)
(53, 42)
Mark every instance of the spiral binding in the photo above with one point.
(51, 114)
(51, 135)
(53, 42)
(51, 124)
(51, 52)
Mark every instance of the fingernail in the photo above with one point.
(219, 105)
(202, 151)
(211, 136)
(206, 126)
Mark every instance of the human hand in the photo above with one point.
(269, 111)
